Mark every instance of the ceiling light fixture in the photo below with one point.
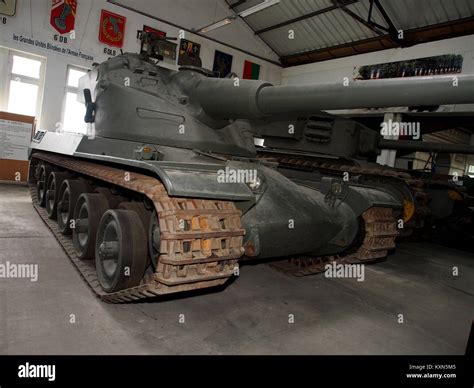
(257, 8)
(214, 26)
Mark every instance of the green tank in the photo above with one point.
(166, 194)
(325, 145)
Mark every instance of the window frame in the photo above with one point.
(39, 82)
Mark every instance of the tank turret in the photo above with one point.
(128, 97)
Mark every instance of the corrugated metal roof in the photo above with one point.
(326, 30)
(337, 27)
(283, 11)
(408, 14)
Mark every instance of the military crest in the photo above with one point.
(63, 15)
(7, 7)
(112, 28)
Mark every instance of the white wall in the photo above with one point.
(336, 69)
(32, 21)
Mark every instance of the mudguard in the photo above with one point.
(180, 179)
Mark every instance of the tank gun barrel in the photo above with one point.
(436, 90)
(226, 99)
(412, 145)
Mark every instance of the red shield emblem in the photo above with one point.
(63, 15)
(112, 28)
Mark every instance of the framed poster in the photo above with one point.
(63, 15)
(251, 70)
(189, 53)
(157, 32)
(111, 28)
(168, 49)
(222, 64)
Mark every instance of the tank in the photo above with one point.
(165, 193)
(325, 145)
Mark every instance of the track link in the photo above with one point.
(200, 240)
(380, 233)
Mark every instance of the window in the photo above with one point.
(74, 111)
(470, 170)
(25, 66)
(24, 83)
(22, 98)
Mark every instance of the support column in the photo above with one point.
(387, 157)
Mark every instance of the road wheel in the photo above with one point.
(55, 180)
(43, 173)
(88, 211)
(69, 192)
(121, 250)
(145, 216)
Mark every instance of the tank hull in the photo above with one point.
(281, 217)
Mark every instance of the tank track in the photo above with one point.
(380, 233)
(214, 235)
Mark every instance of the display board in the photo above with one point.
(440, 64)
(15, 137)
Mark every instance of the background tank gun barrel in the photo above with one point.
(226, 98)
(412, 145)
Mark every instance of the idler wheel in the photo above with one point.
(55, 180)
(120, 250)
(69, 192)
(88, 211)
(43, 173)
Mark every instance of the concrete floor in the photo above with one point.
(250, 316)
